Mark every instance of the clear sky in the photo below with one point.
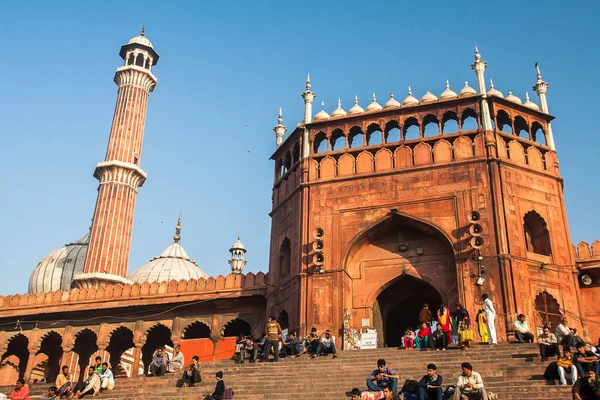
(225, 69)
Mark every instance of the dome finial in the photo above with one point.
(143, 30)
(322, 105)
(409, 91)
(491, 83)
(355, 100)
(447, 84)
(374, 99)
(177, 238)
(339, 101)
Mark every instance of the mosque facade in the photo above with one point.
(376, 211)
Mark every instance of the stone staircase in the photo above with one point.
(512, 371)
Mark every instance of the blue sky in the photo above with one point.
(225, 69)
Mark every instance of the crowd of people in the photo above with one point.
(469, 385)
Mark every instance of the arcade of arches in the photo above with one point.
(39, 353)
(397, 265)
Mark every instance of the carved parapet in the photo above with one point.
(112, 296)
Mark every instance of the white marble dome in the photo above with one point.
(467, 91)
(391, 103)
(493, 91)
(530, 104)
(141, 39)
(428, 98)
(374, 106)
(410, 99)
(513, 98)
(57, 269)
(172, 264)
(448, 93)
(356, 108)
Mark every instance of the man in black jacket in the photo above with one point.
(219, 389)
(430, 386)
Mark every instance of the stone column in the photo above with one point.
(137, 356)
(33, 349)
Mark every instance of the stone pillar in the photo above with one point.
(176, 330)
(33, 349)
(137, 356)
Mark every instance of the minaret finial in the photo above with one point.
(280, 117)
(177, 236)
(477, 55)
(539, 74)
(143, 30)
(308, 85)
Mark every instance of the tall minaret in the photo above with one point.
(279, 129)
(541, 88)
(120, 174)
(479, 66)
(308, 97)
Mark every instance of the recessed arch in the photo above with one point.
(392, 132)
(548, 310)
(85, 345)
(356, 137)
(157, 336)
(236, 327)
(504, 122)
(285, 255)
(450, 122)
(538, 134)
(121, 340)
(338, 139)
(51, 346)
(374, 135)
(522, 128)
(469, 120)
(18, 347)
(537, 236)
(320, 143)
(139, 60)
(411, 129)
(197, 330)
(431, 126)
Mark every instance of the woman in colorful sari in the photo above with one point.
(444, 320)
(483, 333)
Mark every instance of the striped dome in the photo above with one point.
(57, 269)
(173, 263)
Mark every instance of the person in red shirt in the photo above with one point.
(21, 392)
(423, 340)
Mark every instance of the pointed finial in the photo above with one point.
(391, 95)
(539, 74)
(526, 96)
(409, 91)
(374, 99)
(339, 101)
(177, 238)
(322, 105)
(308, 85)
(491, 84)
(355, 99)
(238, 236)
(279, 117)
(143, 30)
(477, 55)
(447, 85)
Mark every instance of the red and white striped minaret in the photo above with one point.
(120, 174)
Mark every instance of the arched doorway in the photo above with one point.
(548, 310)
(237, 327)
(17, 348)
(397, 264)
(399, 307)
(51, 346)
(157, 336)
(85, 346)
(121, 340)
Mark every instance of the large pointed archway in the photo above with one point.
(397, 264)
(398, 306)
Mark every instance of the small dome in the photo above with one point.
(374, 106)
(57, 269)
(530, 104)
(410, 99)
(238, 245)
(322, 114)
(513, 98)
(356, 109)
(141, 39)
(391, 103)
(428, 98)
(173, 263)
(339, 111)
(467, 91)
(448, 94)
(493, 91)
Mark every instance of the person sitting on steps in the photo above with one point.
(585, 359)
(383, 377)
(219, 392)
(440, 338)
(292, 345)
(64, 383)
(430, 386)
(522, 330)
(158, 366)
(91, 386)
(548, 344)
(107, 379)
(566, 368)
(408, 340)
(326, 345)
(388, 394)
(423, 339)
(248, 350)
(191, 374)
(311, 341)
(469, 385)
(587, 387)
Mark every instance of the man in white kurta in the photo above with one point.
(490, 317)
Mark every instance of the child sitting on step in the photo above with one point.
(408, 340)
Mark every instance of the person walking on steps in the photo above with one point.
(490, 318)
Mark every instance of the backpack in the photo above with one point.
(449, 392)
(228, 393)
(410, 386)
